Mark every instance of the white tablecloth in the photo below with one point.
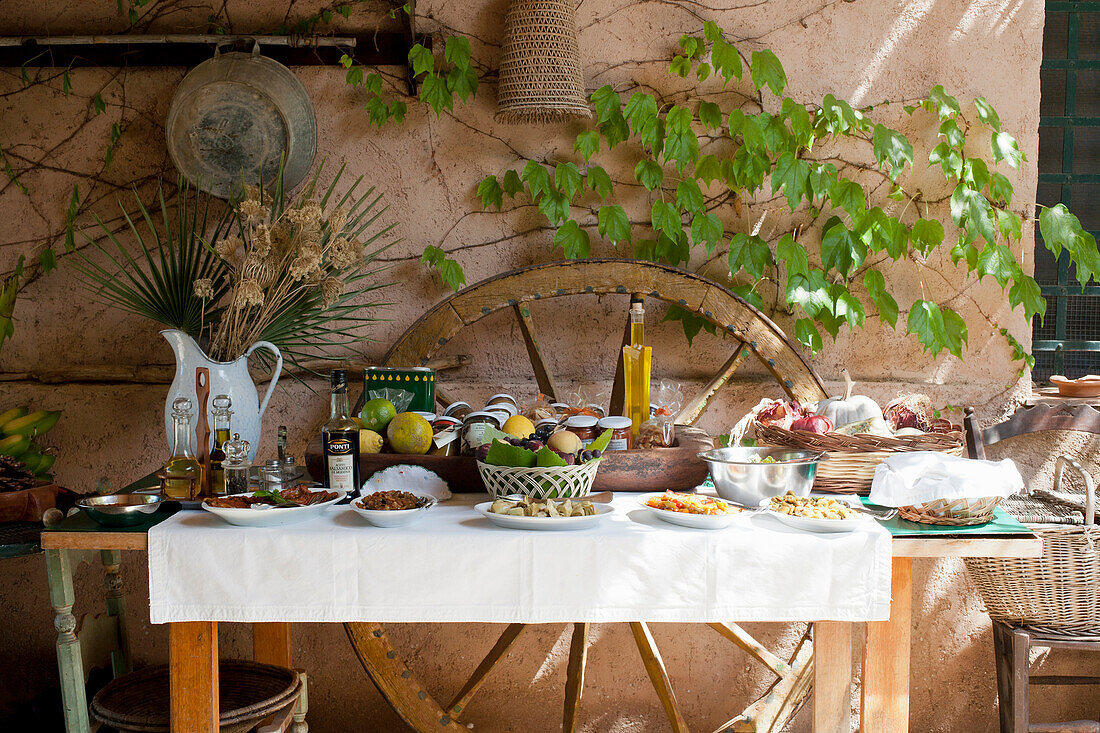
(453, 565)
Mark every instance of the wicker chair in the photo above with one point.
(1050, 601)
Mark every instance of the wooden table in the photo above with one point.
(193, 646)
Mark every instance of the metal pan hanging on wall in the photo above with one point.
(233, 117)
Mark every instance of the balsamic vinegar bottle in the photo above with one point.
(340, 440)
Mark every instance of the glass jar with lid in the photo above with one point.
(458, 410)
(236, 465)
(583, 426)
(474, 427)
(622, 437)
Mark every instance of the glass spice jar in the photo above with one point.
(503, 399)
(236, 465)
(458, 410)
(445, 441)
(474, 427)
(622, 436)
(583, 426)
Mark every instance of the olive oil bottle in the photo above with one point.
(340, 440)
(222, 415)
(182, 474)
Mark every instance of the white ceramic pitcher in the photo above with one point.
(226, 377)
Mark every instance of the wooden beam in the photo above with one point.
(543, 377)
(574, 680)
(741, 638)
(832, 676)
(1025, 546)
(885, 703)
(658, 676)
(504, 643)
(271, 644)
(694, 407)
(193, 676)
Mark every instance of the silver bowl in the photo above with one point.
(119, 510)
(740, 477)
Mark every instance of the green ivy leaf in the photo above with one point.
(688, 196)
(837, 116)
(598, 180)
(997, 260)
(615, 130)
(48, 260)
(945, 105)
(691, 46)
(706, 229)
(690, 322)
(1006, 148)
(607, 103)
(822, 178)
(954, 136)
(749, 253)
(840, 249)
(457, 51)
(848, 195)
(710, 114)
(665, 217)
(537, 178)
(707, 169)
(957, 334)
(377, 111)
(766, 69)
(1009, 224)
(792, 175)
(434, 93)
(1059, 228)
(810, 292)
(926, 322)
(891, 149)
(567, 179)
(673, 249)
(702, 71)
(801, 126)
(794, 257)
(573, 240)
(587, 144)
(1025, 291)
(808, 335)
(971, 209)
(98, 105)
(975, 173)
(554, 205)
(613, 223)
(777, 138)
(1000, 188)
(680, 66)
(726, 60)
(748, 170)
(846, 307)
(681, 143)
(926, 235)
(747, 294)
(449, 270)
(649, 174)
(421, 60)
(641, 110)
(987, 114)
(948, 158)
(512, 183)
(887, 307)
(712, 32)
(964, 250)
(462, 81)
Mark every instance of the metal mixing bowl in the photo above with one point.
(740, 477)
(119, 510)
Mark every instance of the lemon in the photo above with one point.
(369, 442)
(409, 433)
(519, 427)
(377, 413)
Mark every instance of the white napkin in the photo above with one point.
(916, 477)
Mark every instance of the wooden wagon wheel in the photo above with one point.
(755, 334)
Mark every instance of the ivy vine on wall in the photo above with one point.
(697, 163)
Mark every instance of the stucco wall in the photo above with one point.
(867, 50)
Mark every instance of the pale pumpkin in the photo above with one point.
(850, 408)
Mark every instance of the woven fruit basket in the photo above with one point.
(558, 482)
(851, 460)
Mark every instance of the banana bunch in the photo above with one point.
(18, 430)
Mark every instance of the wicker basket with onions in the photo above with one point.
(855, 433)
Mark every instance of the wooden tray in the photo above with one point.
(677, 468)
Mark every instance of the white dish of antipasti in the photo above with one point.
(272, 508)
(517, 512)
(814, 513)
(691, 510)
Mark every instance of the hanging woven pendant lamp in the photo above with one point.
(540, 72)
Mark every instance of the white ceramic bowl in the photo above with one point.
(393, 517)
(695, 521)
(270, 516)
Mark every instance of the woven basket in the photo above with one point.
(560, 482)
(852, 459)
(952, 512)
(540, 70)
(247, 692)
(1059, 591)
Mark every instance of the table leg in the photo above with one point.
(885, 702)
(832, 676)
(271, 644)
(116, 608)
(70, 666)
(193, 676)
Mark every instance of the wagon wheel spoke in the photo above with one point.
(694, 407)
(758, 651)
(543, 377)
(504, 643)
(658, 676)
(771, 712)
(574, 681)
